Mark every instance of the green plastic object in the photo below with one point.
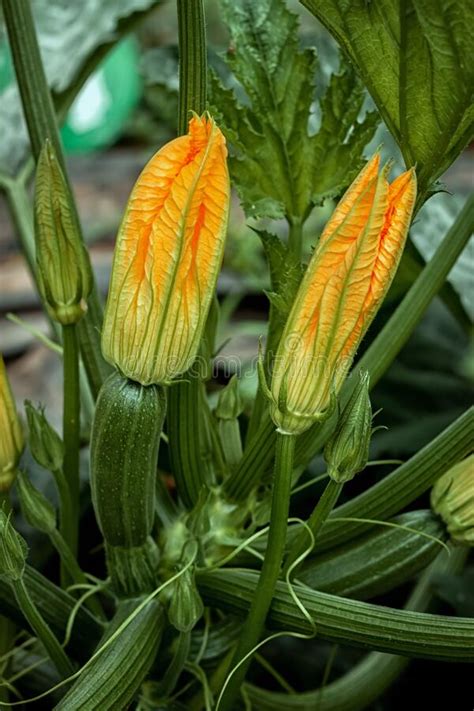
(100, 111)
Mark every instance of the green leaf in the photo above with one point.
(286, 273)
(278, 167)
(415, 57)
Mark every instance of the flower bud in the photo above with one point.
(347, 451)
(229, 404)
(64, 269)
(452, 498)
(46, 445)
(37, 510)
(11, 434)
(167, 257)
(344, 285)
(186, 606)
(13, 550)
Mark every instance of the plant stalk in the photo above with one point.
(41, 629)
(192, 61)
(66, 515)
(315, 522)
(261, 601)
(71, 430)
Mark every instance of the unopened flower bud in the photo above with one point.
(186, 606)
(229, 403)
(167, 256)
(13, 550)
(37, 510)
(46, 445)
(347, 451)
(11, 434)
(452, 498)
(64, 269)
(344, 285)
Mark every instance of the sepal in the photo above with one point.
(37, 510)
(46, 445)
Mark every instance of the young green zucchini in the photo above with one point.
(124, 453)
(379, 561)
(112, 680)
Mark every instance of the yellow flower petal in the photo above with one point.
(168, 254)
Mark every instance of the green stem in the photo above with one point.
(315, 522)
(74, 570)
(261, 601)
(34, 91)
(71, 429)
(66, 515)
(295, 237)
(192, 61)
(40, 119)
(41, 629)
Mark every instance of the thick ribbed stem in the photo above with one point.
(71, 432)
(261, 601)
(192, 61)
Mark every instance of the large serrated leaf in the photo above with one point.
(415, 57)
(278, 167)
(68, 33)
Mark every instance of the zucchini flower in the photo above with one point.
(64, 269)
(167, 257)
(11, 434)
(344, 285)
(452, 498)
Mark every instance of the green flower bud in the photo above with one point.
(347, 451)
(13, 550)
(229, 404)
(452, 498)
(11, 433)
(64, 269)
(37, 510)
(186, 606)
(45, 444)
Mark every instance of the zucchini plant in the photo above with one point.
(231, 522)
